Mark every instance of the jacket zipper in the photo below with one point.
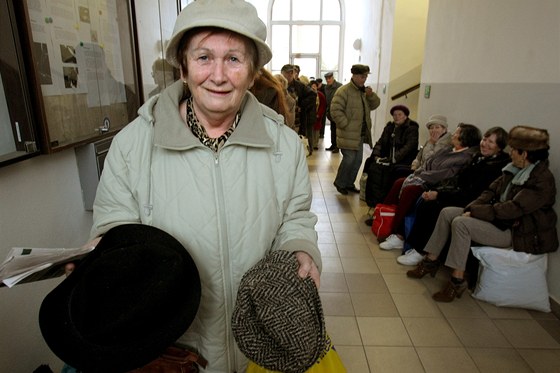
(227, 277)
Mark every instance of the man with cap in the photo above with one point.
(330, 89)
(350, 109)
(306, 104)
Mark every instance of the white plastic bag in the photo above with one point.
(512, 279)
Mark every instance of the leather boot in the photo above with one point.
(426, 266)
(450, 291)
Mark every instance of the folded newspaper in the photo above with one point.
(25, 264)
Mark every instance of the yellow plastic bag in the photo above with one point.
(329, 362)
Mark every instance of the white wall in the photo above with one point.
(496, 63)
(41, 207)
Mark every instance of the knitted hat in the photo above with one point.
(402, 108)
(528, 138)
(238, 16)
(437, 119)
(278, 319)
(359, 69)
(124, 304)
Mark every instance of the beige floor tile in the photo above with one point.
(353, 358)
(393, 359)
(390, 265)
(544, 361)
(400, 284)
(383, 331)
(328, 250)
(354, 251)
(552, 327)
(503, 312)
(337, 304)
(374, 304)
(325, 237)
(526, 334)
(342, 217)
(430, 332)
(479, 333)
(464, 308)
(349, 238)
(323, 227)
(332, 265)
(491, 360)
(346, 227)
(343, 330)
(446, 359)
(416, 305)
(333, 283)
(366, 283)
(359, 265)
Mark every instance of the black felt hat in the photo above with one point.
(128, 300)
(278, 319)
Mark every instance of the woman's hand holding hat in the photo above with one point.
(307, 267)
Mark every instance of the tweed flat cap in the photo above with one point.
(278, 319)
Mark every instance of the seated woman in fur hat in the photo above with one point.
(515, 211)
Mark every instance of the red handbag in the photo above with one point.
(383, 216)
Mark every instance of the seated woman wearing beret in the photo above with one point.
(515, 211)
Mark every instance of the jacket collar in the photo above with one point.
(171, 132)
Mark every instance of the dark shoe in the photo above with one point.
(369, 222)
(340, 190)
(335, 150)
(353, 189)
(315, 148)
(330, 148)
(450, 291)
(426, 266)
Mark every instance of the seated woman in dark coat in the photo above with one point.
(459, 190)
(516, 211)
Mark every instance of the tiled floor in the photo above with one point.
(382, 321)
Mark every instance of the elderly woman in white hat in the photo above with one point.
(439, 138)
(207, 163)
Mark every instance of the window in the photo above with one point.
(306, 33)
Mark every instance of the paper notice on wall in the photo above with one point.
(59, 29)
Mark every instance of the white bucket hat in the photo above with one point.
(238, 16)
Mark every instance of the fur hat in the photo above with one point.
(402, 108)
(437, 119)
(238, 16)
(359, 69)
(528, 138)
(124, 304)
(278, 319)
